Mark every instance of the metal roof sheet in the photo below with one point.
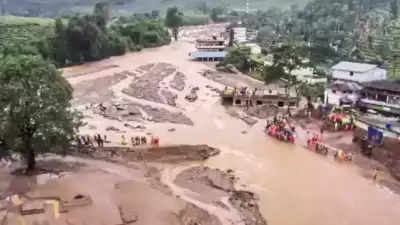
(354, 67)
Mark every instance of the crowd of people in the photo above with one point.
(90, 141)
(280, 128)
(99, 140)
(315, 143)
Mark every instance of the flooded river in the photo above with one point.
(295, 186)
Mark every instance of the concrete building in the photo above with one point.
(209, 50)
(347, 78)
(382, 96)
(342, 93)
(247, 97)
(357, 72)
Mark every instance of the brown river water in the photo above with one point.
(295, 186)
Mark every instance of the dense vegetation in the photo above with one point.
(36, 113)
(327, 31)
(83, 38)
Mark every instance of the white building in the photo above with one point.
(239, 34)
(347, 77)
(342, 92)
(357, 72)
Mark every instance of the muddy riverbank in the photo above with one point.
(132, 181)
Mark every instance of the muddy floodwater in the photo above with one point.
(295, 186)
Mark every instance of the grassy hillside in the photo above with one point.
(60, 7)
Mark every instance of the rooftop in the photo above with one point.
(208, 54)
(354, 67)
(385, 85)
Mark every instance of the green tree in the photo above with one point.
(36, 111)
(239, 57)
(60, 43)
(174, 20)
(286, 59)
(102, 14)
(216, 12)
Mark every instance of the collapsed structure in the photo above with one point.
(258, 97)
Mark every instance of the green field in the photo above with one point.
(18, 20)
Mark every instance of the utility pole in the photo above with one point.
(247, 6)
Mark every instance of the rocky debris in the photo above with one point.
(201, 175)
(193, 94)
(193, 215)
(112, 128)
(172, 130)
(263, 112)
(178, 83)
(139, 127)
(229, 68)
(395, 169)
(127, 216)
(147, 86)
(146, 67)
(246, 203)
(93, 92)
(213, 89)
(160, 115)
(136, 112)
(169, 97)
(243, 116)
(204, 180)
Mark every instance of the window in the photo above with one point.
(334, 91)
(351, 73)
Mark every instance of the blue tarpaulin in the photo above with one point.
(375, 135)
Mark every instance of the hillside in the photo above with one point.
(61, 7)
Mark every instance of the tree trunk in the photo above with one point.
(29, 154)
(175, 32)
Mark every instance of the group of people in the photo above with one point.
(314, 142)
(89, 141)
(338, 122)
(277, 128)
(136, 141)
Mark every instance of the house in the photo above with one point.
(382, 96)
(347, 78)
(357, 72)
(342, 93)
(239, 33)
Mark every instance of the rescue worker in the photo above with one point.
(143, 140)
(123, 140)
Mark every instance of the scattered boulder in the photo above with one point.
(128, 216)
(112, 128)
(193, 94)
(229, 68)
